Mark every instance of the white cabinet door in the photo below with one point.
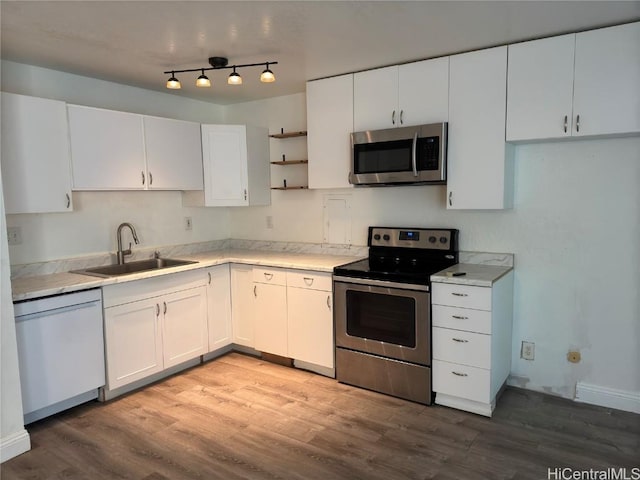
(174, 154)
(133, 342)
(219, 307)
(310, 325)
(423, 95)
(270, 310)
(36, 167)
(540, 89)
(242, 304)
(375, 99)
(329, 127)
(107, 149)
(478, 164)
(184, 332)
(607, 76)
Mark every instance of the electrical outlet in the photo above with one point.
(269, 221)
(188, 224)
(528, 350)
(574, 356)
(14, 235)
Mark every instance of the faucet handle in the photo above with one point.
(156, 254)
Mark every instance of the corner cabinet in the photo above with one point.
(479, 160)
(329, 125)
(36, 161)
(576, 85)
(242, 313)
(472, 328)
(219, 307)
(270, 307)
(236, 167)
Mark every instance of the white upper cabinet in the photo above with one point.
(107, 149)
(174, 154)
(583, 84)
(236, 167)
(607, 81)
(540, 89)
(402, 95)
(479, 164)
(329, 126)
(35, 155)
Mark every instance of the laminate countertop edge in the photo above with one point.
(474, 274)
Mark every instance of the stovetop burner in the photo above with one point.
(404, 255)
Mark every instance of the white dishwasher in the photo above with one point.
(60, 351)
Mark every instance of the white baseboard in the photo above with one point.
(14, 444)
(608, 397)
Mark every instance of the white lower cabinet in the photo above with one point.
(310, 317)
(471, 343)
(242, 305)
(270, 310)
(152, 325)
(219, 307)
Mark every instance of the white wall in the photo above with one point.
(574, 230)
(91, 227)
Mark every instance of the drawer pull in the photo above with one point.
(268, 276)
(460, 374)
(460, 317)
(308, 281)
(459, 294)
(460, 340)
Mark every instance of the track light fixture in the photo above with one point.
(220, 63)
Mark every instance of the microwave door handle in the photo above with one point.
(413, 154)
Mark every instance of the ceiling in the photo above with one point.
(134, 42)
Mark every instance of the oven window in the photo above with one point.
(381, 317)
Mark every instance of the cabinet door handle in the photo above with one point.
(68, 200)
(460, 340)
(401, 115)
(460, 317)
(268, 276)
(329, 302)
(459, 294)
(142, 173)
(157, 310)
(460, 374)
(566, 120)
(150, 179)
(308, 281)
(165, 307)
(450, 198)
(577, 123)
(245, 194)
(393, 117)
(255, 293)
(209, 274)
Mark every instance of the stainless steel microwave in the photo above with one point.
(405, 155)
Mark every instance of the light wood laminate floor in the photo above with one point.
(238, 417)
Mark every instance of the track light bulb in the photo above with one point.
(267, 75)
(173, 83)
(234, 78)
(203, 80)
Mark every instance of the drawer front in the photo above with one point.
(465, 296)
(478, 321)
(310, 280)
(465, 348)
(461, 381)
(274, 276)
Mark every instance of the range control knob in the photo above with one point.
(386, 237)
(432, 239)
(443, 239)
(376, 236)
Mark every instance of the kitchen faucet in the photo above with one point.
(122, 253)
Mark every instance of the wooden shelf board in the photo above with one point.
(290, 162)
(289, 135)
(301, 187)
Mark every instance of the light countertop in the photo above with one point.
(27, 288)
(477, 275)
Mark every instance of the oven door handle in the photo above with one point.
(381, 283)
(414, 148)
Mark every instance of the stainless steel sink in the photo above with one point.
(133, 267)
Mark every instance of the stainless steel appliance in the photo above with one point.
(405, 155)
(383, 310)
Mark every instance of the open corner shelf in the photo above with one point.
(289, 134)
(300, 187)
(290, 162)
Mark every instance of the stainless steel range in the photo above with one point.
(383, 310)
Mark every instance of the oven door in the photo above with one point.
(383, 318)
